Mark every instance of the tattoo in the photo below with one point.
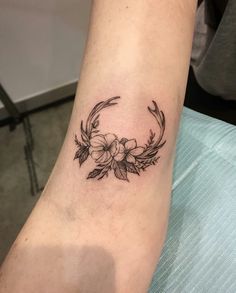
(109, 153)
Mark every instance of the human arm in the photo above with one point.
(106, 235)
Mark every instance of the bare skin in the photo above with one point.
(89, 235)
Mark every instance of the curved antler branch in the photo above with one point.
(149, 156)
(93, 116)
(160, 118)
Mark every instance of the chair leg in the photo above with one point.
(10, 107)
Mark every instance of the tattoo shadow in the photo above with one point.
(63, 269)
(99, 270)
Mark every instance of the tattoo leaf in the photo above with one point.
(131, 168)
(94, 173)
(82, 154)
(120, 171)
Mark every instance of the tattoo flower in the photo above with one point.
(104, 147)
(129, 151)
(109, 153)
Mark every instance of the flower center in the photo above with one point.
(106, 148)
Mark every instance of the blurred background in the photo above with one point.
(41, 47)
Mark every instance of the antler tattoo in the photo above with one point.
(123, 155)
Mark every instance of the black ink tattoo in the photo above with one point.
(123, 155)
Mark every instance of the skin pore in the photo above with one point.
(89, 235)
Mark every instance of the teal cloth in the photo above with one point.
(200, 250)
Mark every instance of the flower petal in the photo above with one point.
(96, 154)
(130, 158)
(114, 147)
(96, 149)
(137, 151)
(121, 148)
(131, 144)
(110, 137)
(119, 157)
(104, 157)
(98, 140)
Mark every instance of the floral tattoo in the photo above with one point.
(122, 156)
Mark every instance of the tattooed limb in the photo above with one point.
(101, 221)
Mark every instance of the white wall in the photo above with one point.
(41, 46)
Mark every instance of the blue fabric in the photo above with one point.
(200, 250)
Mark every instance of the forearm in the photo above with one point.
(106, 235)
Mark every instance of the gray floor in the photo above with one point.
(16, 202)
